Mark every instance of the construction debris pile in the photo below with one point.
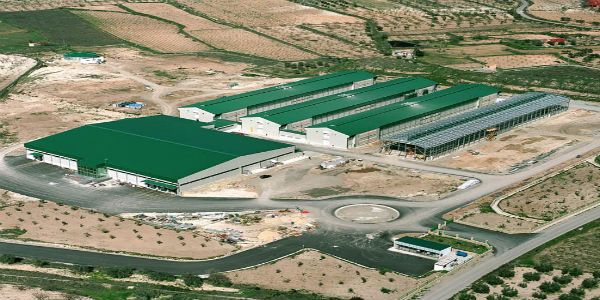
(245, 229)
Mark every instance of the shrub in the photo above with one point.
(569, 297)
(192, 280)
(496, 297)
(9, 259)
(596, 273)
(218, 279)
(493, 279)
(39, 263)
(531, 276)
(82, 269)
(118, 272)
(589, 283)
(480, 288)
(563, 279)
(506, 272)
(544, 267)
(550, 287)
(159, 276)
(509, 292)
(466, 296)
(539, 295)
(575, 272)
(578, 292)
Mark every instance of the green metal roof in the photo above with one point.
(81, 54)
(220, 123)
(347, 100)
(423, 243)
(160, 184)
(408, 110)
(281, 92)
(160, 147)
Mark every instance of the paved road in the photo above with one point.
(451, 285)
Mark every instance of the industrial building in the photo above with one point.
(159, 152)
(84, 57)
(290, 121)
(421, 246)
(373, 125)
(236, 106)
(441, 137)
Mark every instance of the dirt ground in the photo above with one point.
(520, 61)
(13, 66)
(557, 196)
(243, 229)
(60, 224)
(524, 144)
(319, 273)
(557, 9)
(17, 292)
(305, 180)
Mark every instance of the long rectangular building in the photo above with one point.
(236, 106)
(160, 152)
(442, 137)
(369, 126)
(286, 120)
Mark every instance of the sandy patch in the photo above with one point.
(17, 292)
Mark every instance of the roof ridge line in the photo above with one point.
(157, 139)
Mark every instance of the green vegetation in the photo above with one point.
(379, 37)
(457, 244)
(523, 44)
(165, 74)
(56, 29)
(118, 272)
(218, 279)
(10, 232)
(159, 276)
(192, 280)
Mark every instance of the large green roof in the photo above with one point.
(422, 243)
(81, 54)
(347, 100)
(408, 110)
(161, 147)
(280, 92)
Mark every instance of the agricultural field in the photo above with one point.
(323, 274)
(521, 61)
(31, 5)
(52, 29)
(563, 268)
(557, 196)
(144, 31)
(570, 11)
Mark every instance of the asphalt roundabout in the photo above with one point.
(366, 213)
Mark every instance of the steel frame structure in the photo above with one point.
(441, 137)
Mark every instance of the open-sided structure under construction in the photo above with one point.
(441, 137)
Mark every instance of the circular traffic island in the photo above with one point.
(366, 213)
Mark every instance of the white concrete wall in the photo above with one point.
(196, 114)
(59, 161)
(326, 137)
(260, 126)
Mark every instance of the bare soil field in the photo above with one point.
(243, 41)
(521, 61)
(172, 13)
(17, 292)
(321, 44)
(562, 194)
(525, 143)
(558, 9)
(478, 50)
(148, 32)
(320, 273)
(13, 66)
(306, 180)
(26, 5)
(54, 223)
(266, 13)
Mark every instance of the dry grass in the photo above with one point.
(557, 196)
(53, 223)
(28, 5)
(323, 274)
(144, 31)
